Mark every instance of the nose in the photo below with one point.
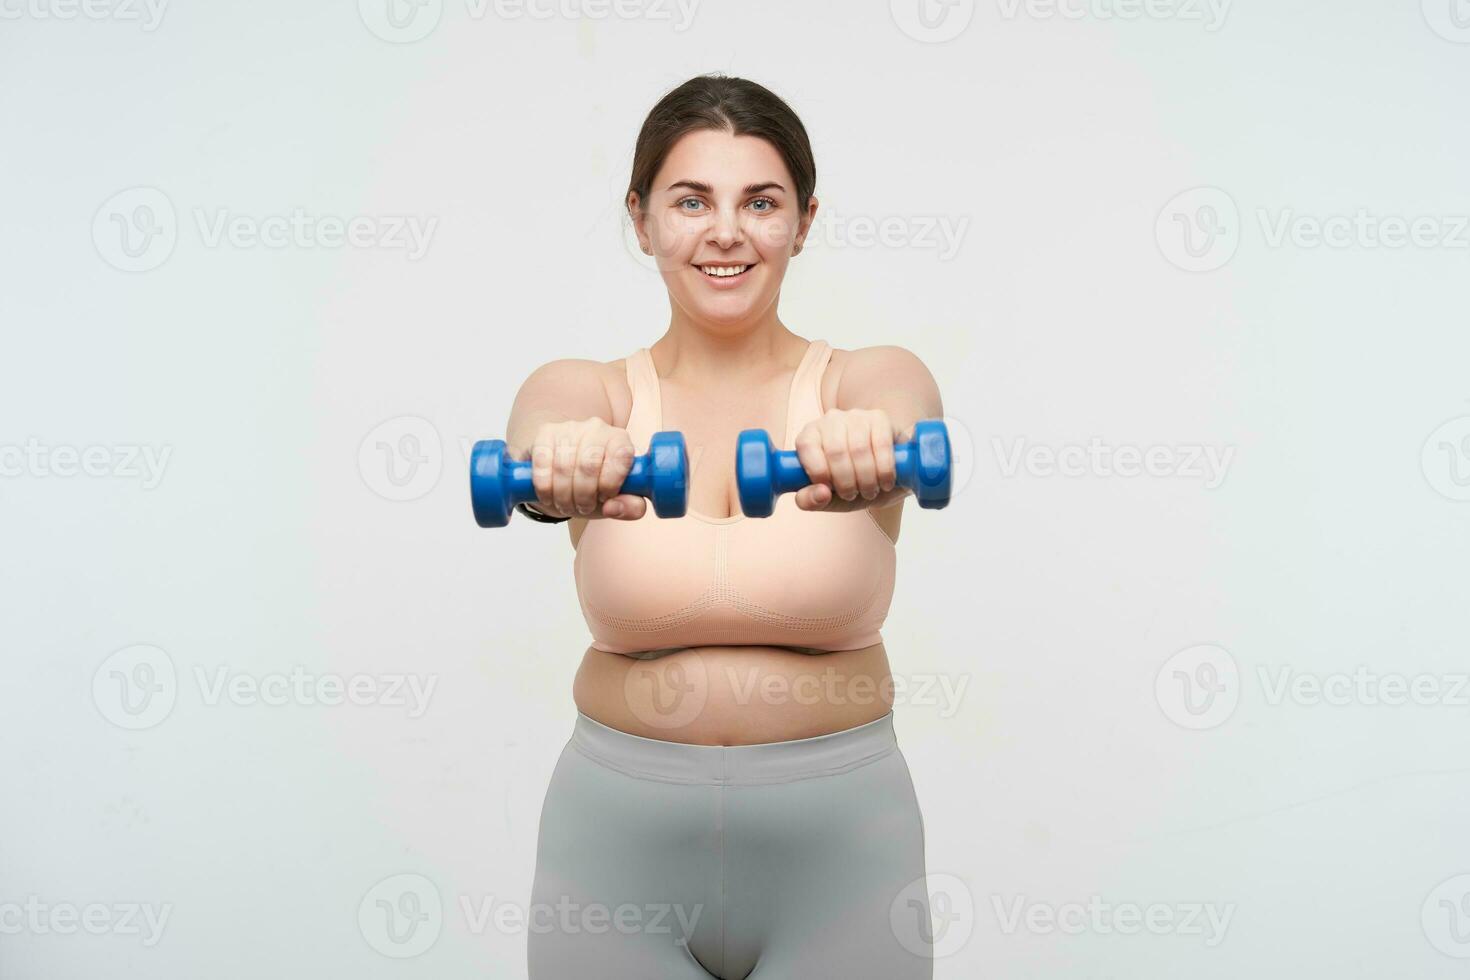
(725, 229)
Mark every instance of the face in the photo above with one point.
(720, 204)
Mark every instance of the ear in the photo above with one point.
(640, 223)
(805, 224)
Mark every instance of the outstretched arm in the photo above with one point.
(881, 393)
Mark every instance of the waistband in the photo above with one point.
(735, 765)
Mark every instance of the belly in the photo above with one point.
(734, 695)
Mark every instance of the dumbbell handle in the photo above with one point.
(498, 483)
(789, 474)
(523, 491)
(763, 473)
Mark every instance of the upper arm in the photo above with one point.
(560, 390)
(892, 379)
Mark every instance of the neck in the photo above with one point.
(696, 352)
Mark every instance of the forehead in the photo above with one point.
(722, 160)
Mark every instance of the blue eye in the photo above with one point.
(770, 204)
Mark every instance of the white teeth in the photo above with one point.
(723, 271)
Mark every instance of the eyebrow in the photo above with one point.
(701, 187)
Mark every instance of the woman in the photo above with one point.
(732, 802)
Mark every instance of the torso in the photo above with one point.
(747, 694)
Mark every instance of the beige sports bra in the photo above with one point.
(797, 578)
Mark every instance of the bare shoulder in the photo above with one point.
(614, 376)
(579, 387)
(858, 378)
(610, 376)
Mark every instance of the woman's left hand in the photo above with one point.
(848, 453)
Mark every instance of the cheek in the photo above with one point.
(773, 236)
(674, 238)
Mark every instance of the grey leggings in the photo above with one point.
(797, 860)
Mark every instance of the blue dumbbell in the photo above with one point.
(498, 483)
(764, 472)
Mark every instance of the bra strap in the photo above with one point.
(643, 417)
(806, 390)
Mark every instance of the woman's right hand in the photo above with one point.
(578, 467)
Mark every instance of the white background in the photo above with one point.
(1058, 143)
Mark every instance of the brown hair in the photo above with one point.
(737, 105)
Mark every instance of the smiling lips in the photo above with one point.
(725, 273)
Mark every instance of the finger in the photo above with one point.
(564, 459)
(616, 466)
(818, 496)
(883, 453)
(625, 507)
(543, 452)
(864, 466)
(839, 457)
(591, 452)
(809, 453)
